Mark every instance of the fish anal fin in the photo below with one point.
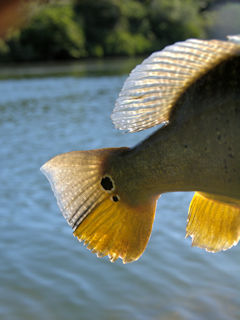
(117, 230)
(213, 222)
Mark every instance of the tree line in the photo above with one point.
(100, 28)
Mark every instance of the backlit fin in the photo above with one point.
(117, 229)
(213, 222)
(87, 198)
(235, 38)
(153, 88)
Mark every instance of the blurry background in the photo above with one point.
(63, 64)
(76, 29)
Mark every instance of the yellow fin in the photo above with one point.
(88, 200)
(213, 222)
(153, 88)
(118, 230)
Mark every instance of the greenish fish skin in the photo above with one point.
(198, 150)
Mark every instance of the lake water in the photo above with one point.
(45, 273)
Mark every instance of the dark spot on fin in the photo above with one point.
(107, 183)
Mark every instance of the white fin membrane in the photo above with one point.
(153, 87)
(75, 181)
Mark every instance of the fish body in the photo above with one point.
(199, 149)
(109, 196)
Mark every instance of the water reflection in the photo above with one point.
(111, 66)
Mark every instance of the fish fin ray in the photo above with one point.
(115, 229)
(213, 222)
(75, 180)
(171, 70)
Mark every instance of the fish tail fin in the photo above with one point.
(99, 217)
(213, 222)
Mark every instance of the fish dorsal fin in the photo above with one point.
(153, 87)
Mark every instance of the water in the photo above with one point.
(45, 273)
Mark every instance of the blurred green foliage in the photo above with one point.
(113, 27)
(176, 20)
(53, 33)
(95, 28)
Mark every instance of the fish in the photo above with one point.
(191, 90)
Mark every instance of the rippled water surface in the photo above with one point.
(45, 273)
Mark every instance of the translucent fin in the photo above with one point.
(117, 229)
(213, 222)
(235, 38)
(85, 195)
(75, 179)
(152, 89)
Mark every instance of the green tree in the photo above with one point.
(115, 27)
(175, 20)
(99, 19)
(97, 28)
(52, 33)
